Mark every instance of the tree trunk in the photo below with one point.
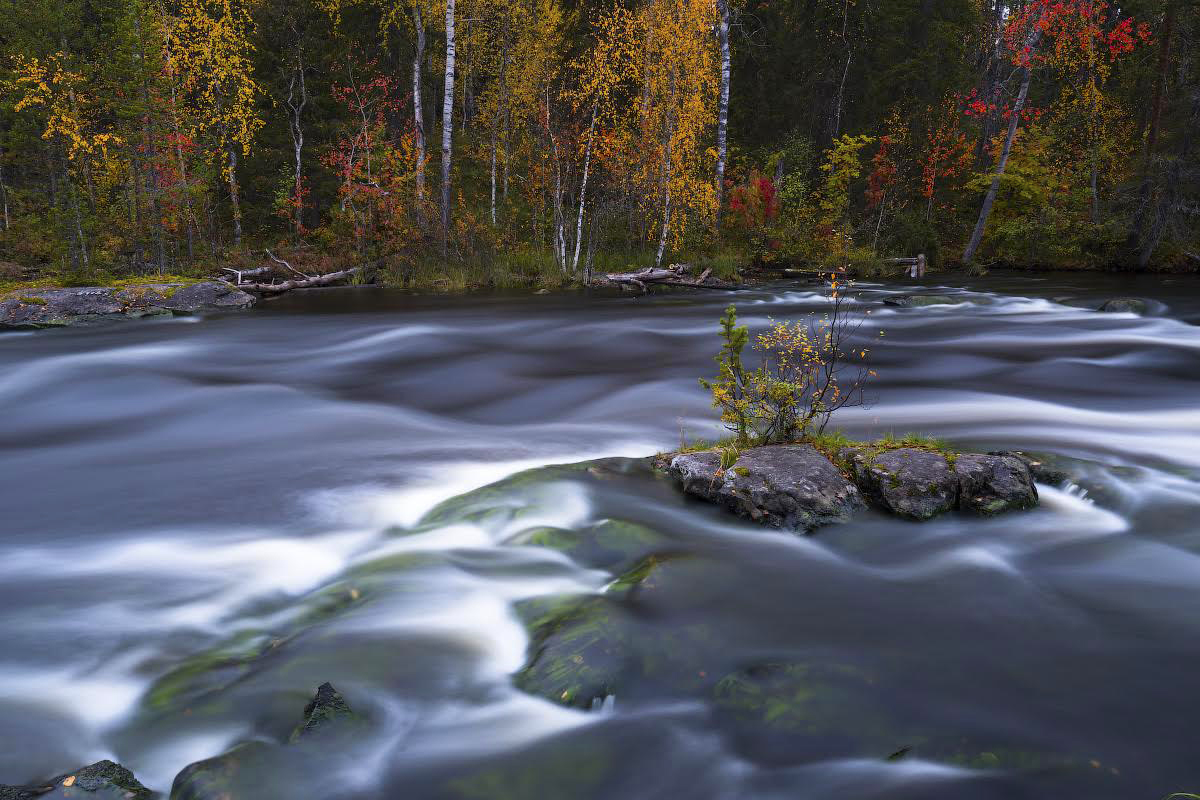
(989, 199)
(1138, 230)
(493, 173)
(296, 109)
(841, 93)
(723, 108)
(587, 162)
(187, 194)
(447, 124)
(234, 202)
(418, 112)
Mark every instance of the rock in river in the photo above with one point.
(104, 780)
(911, 483)
(994, 484)
(919, 484)
(1124, 305)
(797, 488)
(784, 486)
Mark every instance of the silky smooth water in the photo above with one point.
(205, 518)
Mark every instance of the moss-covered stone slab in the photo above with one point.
(58, 307)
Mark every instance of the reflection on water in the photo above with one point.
(205, 521)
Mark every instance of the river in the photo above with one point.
(205, 518)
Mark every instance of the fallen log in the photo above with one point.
(253, 273)
(675, 275)
(297, 283)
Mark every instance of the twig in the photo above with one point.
(288, 266)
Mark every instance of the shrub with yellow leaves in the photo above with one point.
(808, 370)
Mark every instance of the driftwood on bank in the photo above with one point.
(674, 275)
(298, 283)
(916, 265)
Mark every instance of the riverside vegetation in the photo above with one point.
(453, 143)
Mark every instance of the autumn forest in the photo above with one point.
(517, 142)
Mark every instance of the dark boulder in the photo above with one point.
(785, 486)
(993, 484)
(1048, 469)
(1124, 305)
(206, 296)
(104, 780)
(909, 482)
(327, 706)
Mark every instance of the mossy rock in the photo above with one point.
(585, 648)
(610, 544)
(247, 771)
(104, 780)
(801, 711)
(575, 767)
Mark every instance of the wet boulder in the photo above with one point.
(586, 648)
(1123, 305)
(104, 780)
(322, 712)
(792, 487)
(910, 482)
(243, 772)
(993, 484)
(233, 775)
(921, 300)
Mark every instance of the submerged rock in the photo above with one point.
(229, 776)
(784, 486)
(586, 648)
(919, 300)
(909, 482)
(49, 308)
(104, 780)
(1124, 305)
(238, 774)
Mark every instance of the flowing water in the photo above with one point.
(203, 519)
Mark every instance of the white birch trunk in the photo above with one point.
(587, 162)
(418, 112)
(447, 123)
(723, 109)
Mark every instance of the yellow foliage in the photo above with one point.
(46, 84)
(209, 52)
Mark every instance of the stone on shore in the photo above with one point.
(53, 308)
(792, 487)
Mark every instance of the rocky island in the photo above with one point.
(797, 487)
